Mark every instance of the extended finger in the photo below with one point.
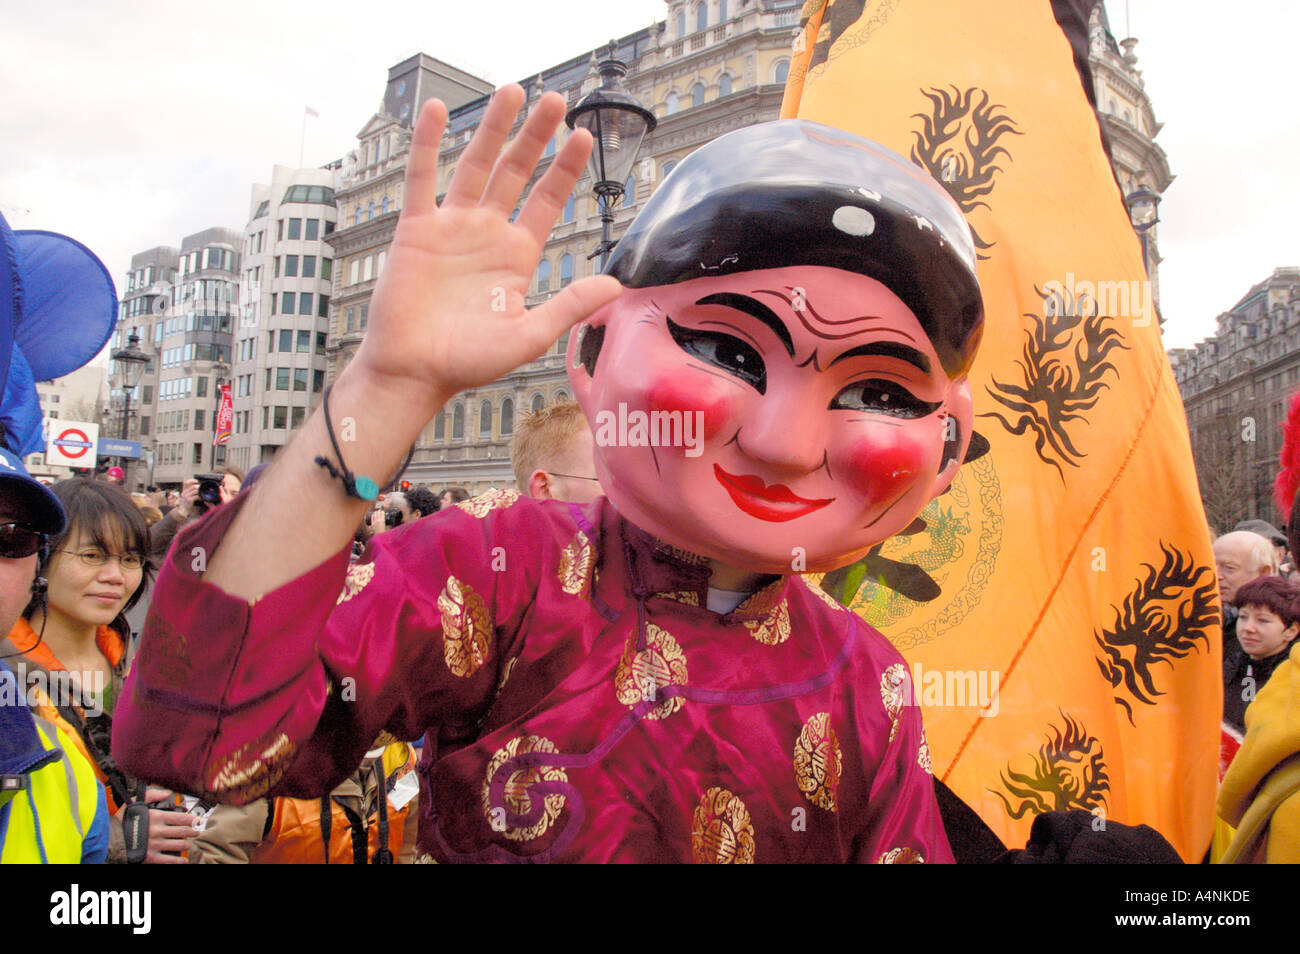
(516, 165)
(475, 166)
(420, 194)
(553, 189)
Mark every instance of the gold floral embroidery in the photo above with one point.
(923, 755)
(761, 603)
(901, 856)
(775, 629)
(251, 770)
(424, 859)
(359, 575)
(505, 675)
(489, 500)
(576, 561)
(721, 831)
(689, 597)
(517, 799)
(817, 761)
(642, 675)
(893, 690)
(466, 627)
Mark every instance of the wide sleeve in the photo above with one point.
(230, 834)
(232, 701)
(902, 824)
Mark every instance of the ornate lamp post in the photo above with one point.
(1143, 212)
(130, 363)
(618, 123)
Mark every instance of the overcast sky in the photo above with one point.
(129, 125)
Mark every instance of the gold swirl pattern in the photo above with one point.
(901, 856)
(775, 629)
(688, 597)
(489, 500)
(505, 674)
(517, 799)
(825, 597)
(466, 628)
(251, 770)
(576, 562)
(721, 831)
(923, 755)
(642, 675)
(761, 603)
(817, 761)
(359, 575)
(893, 692)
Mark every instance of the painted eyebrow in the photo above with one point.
(755, 309)
(889, 349)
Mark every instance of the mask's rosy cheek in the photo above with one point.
(689, 391)
(883, 463)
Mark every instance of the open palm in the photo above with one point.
(448, 311)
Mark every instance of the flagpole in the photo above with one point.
(302, 140)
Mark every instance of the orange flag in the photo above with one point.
(1059, 605)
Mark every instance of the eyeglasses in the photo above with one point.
(18, 540)
(127, 561)
(556, 473)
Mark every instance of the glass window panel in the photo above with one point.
(286, 339)
(304, 341)
(295, 228)
(313, 230)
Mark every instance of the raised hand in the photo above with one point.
(448, 312)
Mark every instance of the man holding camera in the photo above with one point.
(198, 493)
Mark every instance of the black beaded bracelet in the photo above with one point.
(357, 487)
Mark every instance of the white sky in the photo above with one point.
(129, 125)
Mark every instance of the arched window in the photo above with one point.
(384, 210)
(670, 106)
(782, 71)
(458, 423)
(702, 17)
(697, 94)
(539, 402)
(485, 419)
(440, 426)
(372, 211)
(567, 215)
(544, 275)
(724, 85)
(669, 166)
(507, 417)
(358, 222)
(681, 23)
(566, 270)
(561, 396)
(629, 192)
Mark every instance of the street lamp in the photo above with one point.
(1143, 212)
(130, 366)
(618, 123)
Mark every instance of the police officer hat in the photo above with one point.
(793, 192)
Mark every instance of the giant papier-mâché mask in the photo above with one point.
(782, 384)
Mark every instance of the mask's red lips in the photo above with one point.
(776, 503)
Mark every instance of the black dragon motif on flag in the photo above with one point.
(1062, 369)
(965, 164)
(1163, 619)
(1068, 772)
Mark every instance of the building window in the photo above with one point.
(317, 381)
(372, 212)
(724, 85)
(288, 304)
(670, 105)
(286, 339)
(291, 266)
(384, 210)
(681, 23)
(567, 215)
(355, 271)
(358, 221)
(282, 379)
(198, 453)
(566, 270)
(281, 417)
(722, 11)
(327, 269)
(701, 17)
(507, 417)
(295, 228)
(299, 413)
(458, 423)
(629, 192)
(539, 402)
(201, 386)
(270, 342)
(304, 342)
(198, 419)
(485, 419)
(697, 94)
(782, 72)
(304, 304)
(440, 426)
(266, 417)
(669, 166)
(368, 271)
(309, 266)
(365, 315)
(550, 148)
(313, 230)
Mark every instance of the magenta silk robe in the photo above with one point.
(580, 703)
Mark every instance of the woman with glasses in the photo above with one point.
(73, 645)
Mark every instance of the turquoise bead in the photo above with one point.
(367, 489)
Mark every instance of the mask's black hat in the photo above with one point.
(793, 192)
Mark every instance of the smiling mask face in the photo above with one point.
(775, 420)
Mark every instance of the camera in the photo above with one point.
(209, 491)
(392, 517)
